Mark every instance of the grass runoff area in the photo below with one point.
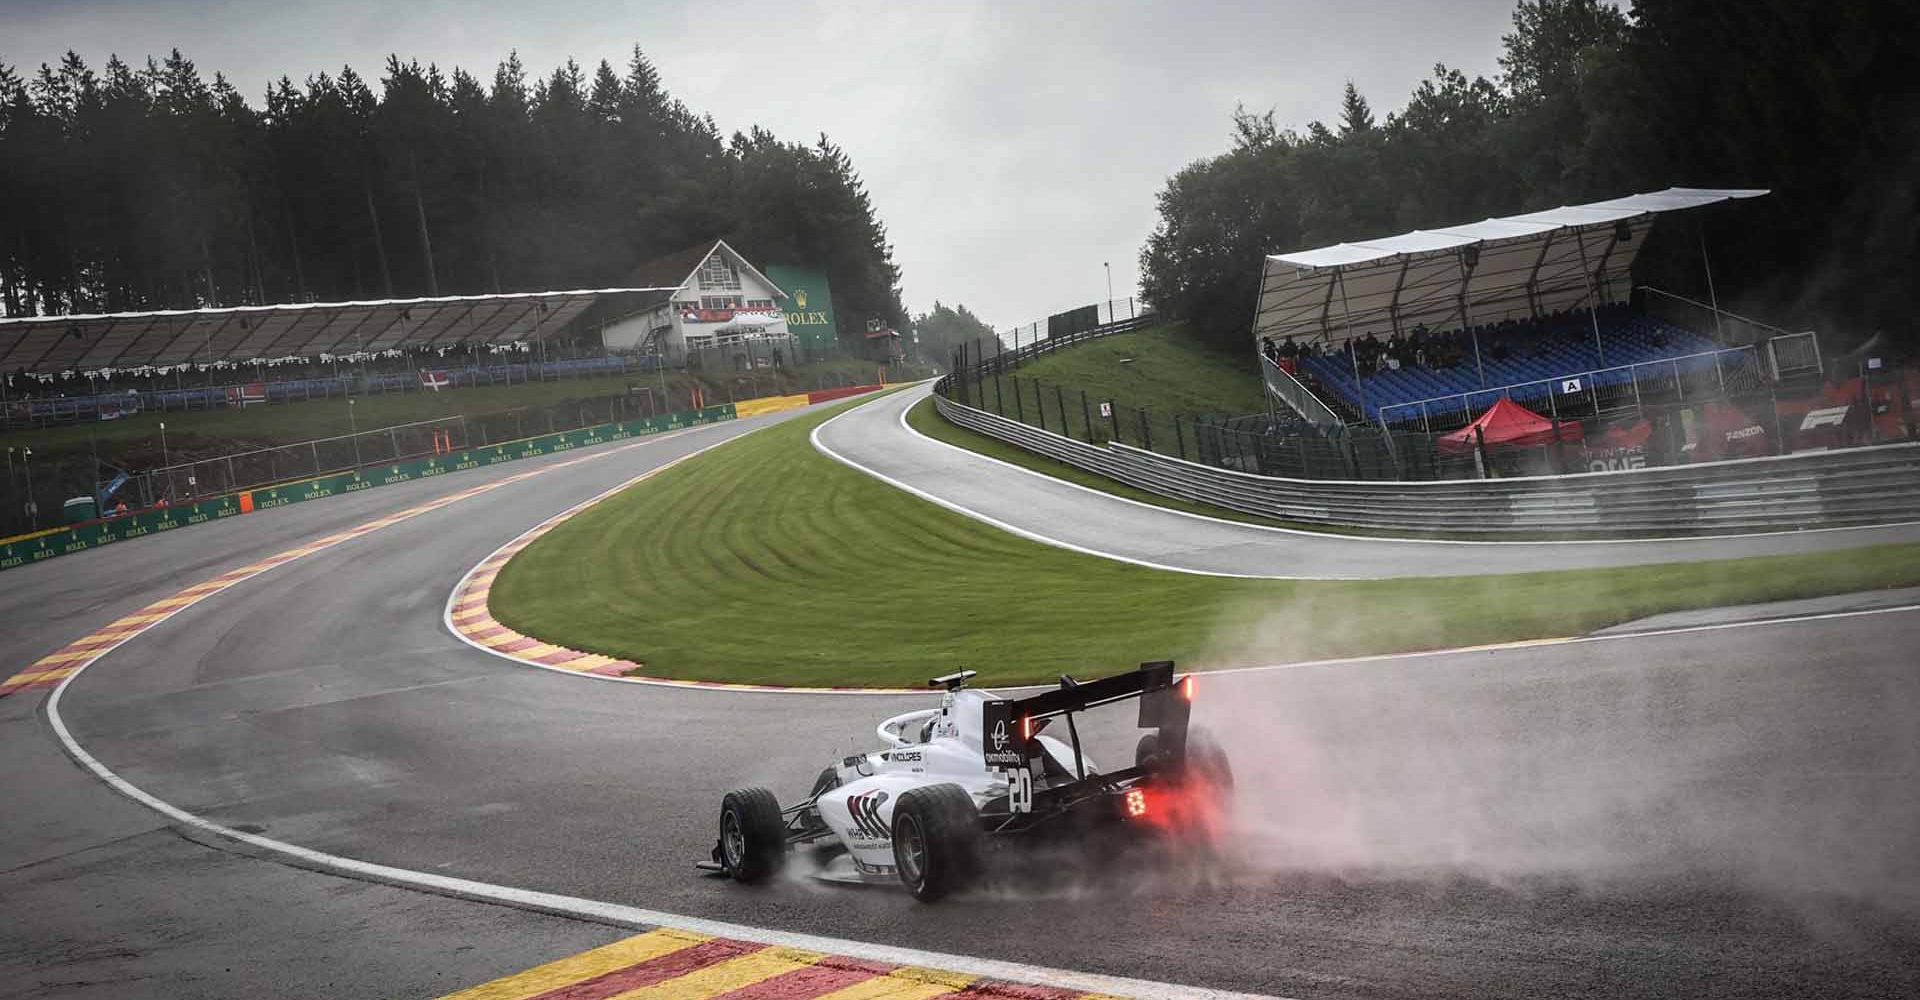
(1164, 369)
(765, 561)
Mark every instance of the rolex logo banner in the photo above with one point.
(809, 304)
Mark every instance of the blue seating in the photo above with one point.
(1538, 350)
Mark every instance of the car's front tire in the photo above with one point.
(936, 841)
(753, 837)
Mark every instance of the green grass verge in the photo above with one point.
(764, 561)
(1162, 369)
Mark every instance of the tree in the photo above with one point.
(153, 188)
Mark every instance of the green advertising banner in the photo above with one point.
(46, 545)
(809, 305)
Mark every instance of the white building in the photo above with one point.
(719, 300)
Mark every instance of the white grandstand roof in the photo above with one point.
(243, 333)
(1521, 265)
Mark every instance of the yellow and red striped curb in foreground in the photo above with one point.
(678, 965)
(56, 666)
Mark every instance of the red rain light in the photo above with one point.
(1136, 802)
(1026, 727)
(1188, 686)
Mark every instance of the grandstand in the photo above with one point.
(1415, 378)
(1428, 328)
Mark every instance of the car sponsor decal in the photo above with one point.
(865, 809)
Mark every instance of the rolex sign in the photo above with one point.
(809, 304)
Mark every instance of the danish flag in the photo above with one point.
(435, 380)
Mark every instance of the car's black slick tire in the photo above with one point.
(936, 841)
(1144, 750)
(753, 838)
(1208, 760)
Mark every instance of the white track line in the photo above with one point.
(628, 916)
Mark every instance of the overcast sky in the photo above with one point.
(1011, 148)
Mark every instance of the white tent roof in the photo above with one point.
(243, 333)
(1521, 265)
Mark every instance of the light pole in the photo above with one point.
(33, 509)
(166, 461)
(354, 426)
(1109, 266)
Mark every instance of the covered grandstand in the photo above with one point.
(171, 337)
(1440, 323)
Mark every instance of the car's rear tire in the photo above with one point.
(936, 841)
(1145, 750)
(753, 837)
(1208, 760)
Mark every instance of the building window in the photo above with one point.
(759, 303)
(719, 301)
(719, 272)
(686, 306)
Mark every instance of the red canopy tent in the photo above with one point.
(1510, 424)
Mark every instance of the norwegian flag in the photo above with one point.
(435, 380)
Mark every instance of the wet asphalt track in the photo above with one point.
(1727, 812)
(872, 437)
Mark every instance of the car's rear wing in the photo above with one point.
(1009, 725)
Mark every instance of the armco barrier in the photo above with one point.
(1860, 486)
(48, 544)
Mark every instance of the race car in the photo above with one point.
(954, 782)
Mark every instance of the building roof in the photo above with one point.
(1539, 262)
(168, 337)
(673, 271)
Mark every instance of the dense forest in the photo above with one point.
(1813, 99)
(148, 187)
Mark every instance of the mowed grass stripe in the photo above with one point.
(766, 562)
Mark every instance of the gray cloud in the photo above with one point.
(1010, 148)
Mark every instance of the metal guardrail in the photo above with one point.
(1859, 486)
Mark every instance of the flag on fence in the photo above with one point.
(246, 395)
(435, 379)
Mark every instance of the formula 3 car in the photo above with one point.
(956, 781)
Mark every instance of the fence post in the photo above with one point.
(999, 404)
(1721, 374)
(1019, 407)
(393, 441)
(1086, 412)
(1146, 430)
(1039, 404)
(1179, 440)
(232, 483)
(1679, 391)
(1060, 400)
(1113, 418)
(315, 445)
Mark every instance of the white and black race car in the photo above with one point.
(978, 769)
